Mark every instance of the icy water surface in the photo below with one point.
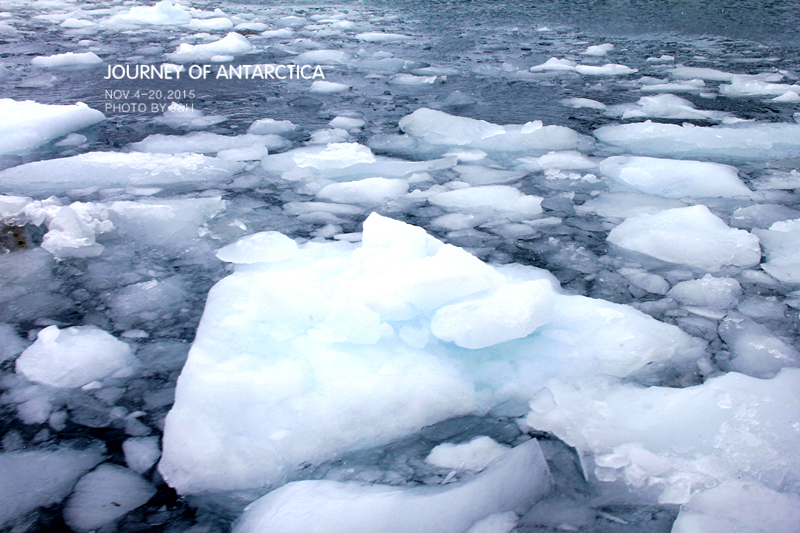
(638, 316)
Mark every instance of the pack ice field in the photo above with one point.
(419, 267)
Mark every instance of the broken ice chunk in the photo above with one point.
(718, 293)
(512, 312)
(70, 60)
(609, 69)
(501, 199)
(514, 481)
(369, 191)
(141, 453)
(268, 126)
(690, 236)
(740, 142)
(598, 49)
(554, 64)
(439, 128)
(782, 245)
(739, 506)
(263, 247)
(27, 125)
(474, 455)
(677, 440)
(205, 143)
(103, 495)
(335, 155)
(75, 356)
(11, 344)
(162, 13)
(232, 44)
(40, 478)
(756, 351)
(114, 169)
(675, 179)
(663, 106)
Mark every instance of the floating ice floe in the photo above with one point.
(664, 106)
(133, 305)
(321, 57)
(27, 125)
(114, 169)
(381, 37)
(741, 142)
(565, 65)
(270, 126)
(141, 453)
(347, 123)
(598, 49)
(72, 23)
(688, 86)
(671, 442)
(41, 478)
(480, 175)
(263, 247)
(755, 350)
(206, 143)
(627, 204)
(555, 64)
(738, 506)
(513, 481)
(782, 247)
(344, 162)
(164, 13)
(579, 103)
(490, 199)
(327, 340)
(73, 357)
(180, 116)
(211, 24)
(232, 44)
(11, 345)
(474, 455)
(751, 86)
(283, 33)
(70, 60)
(106, 493)
(328, 87)
(72, 229)
(609, 69)
(369, 191)
(672, 178)
(691, 236)
(439, 128)
(762, 215)
(718, 293)
(703, 73)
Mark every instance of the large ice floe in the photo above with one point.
(308, 352)
(28, 125)
(724, 143)
(115, 169)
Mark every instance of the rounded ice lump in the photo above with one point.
(75, 356)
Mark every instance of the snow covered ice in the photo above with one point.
(506, 269)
